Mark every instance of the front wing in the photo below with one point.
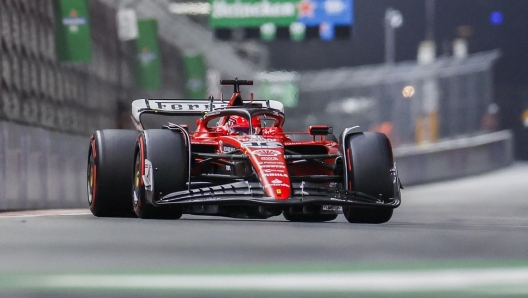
(251, 193)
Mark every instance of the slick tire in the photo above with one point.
(307, 217)
(370, 162)
(167, 152)
(110, 160)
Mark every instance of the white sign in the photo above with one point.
(127, 28)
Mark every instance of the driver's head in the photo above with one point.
(237, 125)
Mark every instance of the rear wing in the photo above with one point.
(187, 107)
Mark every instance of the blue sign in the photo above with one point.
(333, 12)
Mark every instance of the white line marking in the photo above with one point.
(48, 212)
(389, 281)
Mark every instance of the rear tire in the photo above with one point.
(110, 157)
(371, 160)
(167, 152)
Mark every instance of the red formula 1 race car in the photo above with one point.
(238, 163)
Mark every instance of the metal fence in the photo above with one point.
(457, 92)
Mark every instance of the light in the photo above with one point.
(408, 91)
(394, 18)
(525, 118)
(496, 18)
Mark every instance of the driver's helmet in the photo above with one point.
(238, 125)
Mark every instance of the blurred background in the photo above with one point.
(445, 80)
(419, 71)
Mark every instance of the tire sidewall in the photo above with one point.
(167, 152)
(368, 170)
(110, 155)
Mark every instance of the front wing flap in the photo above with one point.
(251, 193)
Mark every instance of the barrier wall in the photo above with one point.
(454, 158)
(42, 169)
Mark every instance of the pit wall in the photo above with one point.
(42, 169)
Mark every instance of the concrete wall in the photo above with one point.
(454, 158)
(42, 169)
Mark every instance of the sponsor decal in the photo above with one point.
(278, 185)
(278, 166)
(269, 158)
(278, 191)
(265, 162)
(228, 148)
(73, 21)
(175, 106)
(266, 152)
(276, 181)
(255, 9)
(273, 170)
(225, 148)
(275, 175)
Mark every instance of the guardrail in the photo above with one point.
(42, 169)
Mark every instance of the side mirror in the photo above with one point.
(319, 130)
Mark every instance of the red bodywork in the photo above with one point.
(265, 149)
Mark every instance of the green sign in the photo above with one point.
(72, 28)
(252, 13)
(148, 70)
(285, 92)
(195, 74)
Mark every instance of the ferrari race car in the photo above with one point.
(238, 163)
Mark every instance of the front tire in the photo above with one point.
(167, 153)
(110, 156)
(370, 162)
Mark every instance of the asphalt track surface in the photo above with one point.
(462, 238)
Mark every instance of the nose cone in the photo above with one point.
(271, 168)
(278, 188)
